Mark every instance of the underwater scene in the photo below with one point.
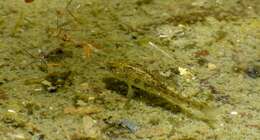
(129, 69)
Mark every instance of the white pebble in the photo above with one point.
(11, 111)
(233, 113)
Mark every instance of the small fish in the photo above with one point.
(139, 83)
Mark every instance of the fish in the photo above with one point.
(138, 83)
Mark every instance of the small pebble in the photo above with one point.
(183, 71)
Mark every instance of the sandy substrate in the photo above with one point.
(54, 57)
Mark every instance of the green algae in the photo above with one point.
(52, 31)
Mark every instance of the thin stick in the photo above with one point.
(160, 50)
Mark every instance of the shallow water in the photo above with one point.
(55, 55)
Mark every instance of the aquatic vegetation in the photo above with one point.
(149, 88)
(13, 119)
(189, 48)
(188, 12)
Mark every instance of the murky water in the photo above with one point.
(134, 70)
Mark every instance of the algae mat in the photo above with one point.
(56, 82)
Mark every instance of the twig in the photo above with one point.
(160, 50)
